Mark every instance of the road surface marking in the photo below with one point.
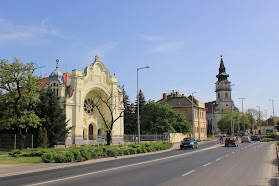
(227, 155)
(124, 166)
(206, 164)
(218, 159)
(237, 150)
(188, 173)
(233, 152)
(255, 147)
(242, 148)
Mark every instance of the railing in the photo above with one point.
(12, 141)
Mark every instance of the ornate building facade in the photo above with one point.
(79, 94)
(216, 109)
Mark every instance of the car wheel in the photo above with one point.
(180, 148)
(193, 147)
(234, 145)
(196, 146)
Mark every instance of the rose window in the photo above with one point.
(88, 106)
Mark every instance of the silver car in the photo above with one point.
(246, 139)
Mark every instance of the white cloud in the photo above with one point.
(145, 37)
(159, 44)
(10, 31)
(167, 47)
(101, 51)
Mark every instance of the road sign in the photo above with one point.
(221, 139)
(101, 139)
(269, 131)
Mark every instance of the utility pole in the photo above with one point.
(273, 114)
(232, 127)
(260, 119)
(193, 118)
(266, 119)
(243, 116)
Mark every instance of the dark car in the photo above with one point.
(188, 143)
(255, 138)
(231, 141)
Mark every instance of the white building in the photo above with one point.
(78, 91)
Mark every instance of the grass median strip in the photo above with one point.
(20, 160)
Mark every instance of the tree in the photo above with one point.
(130, 125)
(142, 102)
(158, 117)
(224, 124)
(20, 88)
(42, 138)
(105, 104)
(54, 117)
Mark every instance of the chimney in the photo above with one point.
(164, 96)
(171, 94)
(176, 94)
(182, 94)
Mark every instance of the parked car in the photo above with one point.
(231, 141)
(246, 139)
(255, 138)
(188, 143)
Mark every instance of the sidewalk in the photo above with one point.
(10, 170)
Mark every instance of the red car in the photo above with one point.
(231, 141)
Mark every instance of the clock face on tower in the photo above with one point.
(88, 106)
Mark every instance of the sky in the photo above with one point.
(181, 41)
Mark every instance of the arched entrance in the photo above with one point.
(90, 132)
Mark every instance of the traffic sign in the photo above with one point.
(269, 131)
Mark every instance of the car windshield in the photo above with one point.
(187, 139)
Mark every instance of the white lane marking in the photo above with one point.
(188, 173)
(206, 164)
(255, 147)
(237, 150)
(227, 155)
(125, 166)
(233, 152)
(218, 159)
(242, 148)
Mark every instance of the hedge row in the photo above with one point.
(266, 139)
(90, 152)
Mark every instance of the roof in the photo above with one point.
(209, 105)
(180, 101)
(222, 71)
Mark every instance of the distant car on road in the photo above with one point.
(188, 143)
(255, 138)
(246, 139)
(231, 141)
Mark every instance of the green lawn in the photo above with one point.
(4, 151)
(20, 160)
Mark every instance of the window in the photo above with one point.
(218, 95)
(226, 95)
(88, 106)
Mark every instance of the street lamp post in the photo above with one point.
(232, 126)
(138, 101)
(260, 119)
(193, 118)
(266, 119)
(273, 114)
(212, 132)
(243, 115)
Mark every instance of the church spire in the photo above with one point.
(222, 71)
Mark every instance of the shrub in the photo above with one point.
(266, 139)
(79, 158)
(86, 154)
(144, 150)
(47, 157)
(126, 152)
(139, 150)
(59, 158)
(69, 156)
(133, 151)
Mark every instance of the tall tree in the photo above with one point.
(130, 126)
(158, 117)
(142, 102)
(20, 86)
(105, 104)
(54, 117)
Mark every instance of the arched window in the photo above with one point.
(226, 95)
(90, 132)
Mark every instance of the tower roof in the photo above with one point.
(222, 71)
(56, 75)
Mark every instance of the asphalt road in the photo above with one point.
(211, 164)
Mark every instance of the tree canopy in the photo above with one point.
(54, 117)
(19, 86)
(158, 117)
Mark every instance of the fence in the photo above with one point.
(93, 139)
(12, 141)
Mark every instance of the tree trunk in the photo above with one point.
(22, 135)
(108, 137)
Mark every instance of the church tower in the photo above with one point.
(223, 88)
